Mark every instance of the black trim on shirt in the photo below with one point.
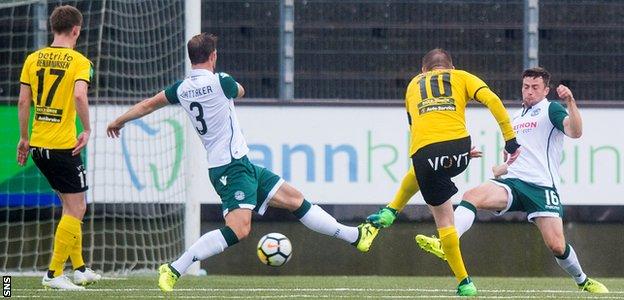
(80, 79)
(474, 96)
(24, 83)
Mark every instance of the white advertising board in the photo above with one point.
(341, 155)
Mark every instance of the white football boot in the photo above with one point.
(60, 282)
(87, 277)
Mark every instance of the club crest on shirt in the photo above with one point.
(239, 195)
(536, 112)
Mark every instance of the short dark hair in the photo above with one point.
(200, 47)
(437, 57)
(537, 72)
(64, 18)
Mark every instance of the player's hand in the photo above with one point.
(474, 153)
(510, 158)
(500, 170)
(83, 138)
(114, 129)
(564, 93)
(23, 149)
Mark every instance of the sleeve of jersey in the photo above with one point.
(25, 76)
(556, 114)
(409, 117)
(229, 86)
(171, 93)
(408, 96)
(85, 71)
(495, 105)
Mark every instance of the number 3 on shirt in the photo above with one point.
(199, 117)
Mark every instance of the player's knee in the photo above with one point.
(293, 200)
(81, 207)
(241, 229)
(472, 196)
(557, 248)
(76, 210)
(296, 196)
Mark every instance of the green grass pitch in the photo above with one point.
(316, 287)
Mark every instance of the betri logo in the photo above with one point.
(154, 132)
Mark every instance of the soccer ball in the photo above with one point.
(274, 249)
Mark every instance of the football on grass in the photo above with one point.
(274, 249)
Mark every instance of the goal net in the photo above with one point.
(135, 210)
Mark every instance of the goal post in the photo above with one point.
(192, 220)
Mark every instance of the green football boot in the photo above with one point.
(383, 218)
(167, 278)
(593, 286)
(366, 234)
(466, 288)
(431, 244)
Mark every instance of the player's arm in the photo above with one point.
(82, 109)
(137, 111)
(572, 124)
(231, 88)
(241, 91)
(23, 115)
(479, 91)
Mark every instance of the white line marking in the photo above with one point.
(571, 291)
(299, 296)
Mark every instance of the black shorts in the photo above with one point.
(65, 173)
(436, 164)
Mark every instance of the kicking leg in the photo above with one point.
(386, 215)
(315, 218)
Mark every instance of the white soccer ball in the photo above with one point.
(274, 249)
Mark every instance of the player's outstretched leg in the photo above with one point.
(317, 219)
(431, 244)
(366, 235)
(593, 286)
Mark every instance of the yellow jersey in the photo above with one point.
(436, 106)
(51, 73)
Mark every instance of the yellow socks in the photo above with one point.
(67, 234)
(450, 244)
(75, 255)
(409, 187)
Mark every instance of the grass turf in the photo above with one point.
(317, 287)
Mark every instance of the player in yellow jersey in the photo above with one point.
(56, 79)
(441, 148)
